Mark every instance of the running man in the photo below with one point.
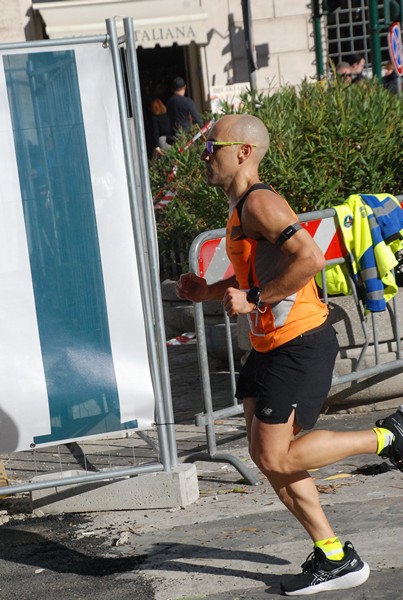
(286, 379)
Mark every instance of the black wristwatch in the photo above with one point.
(253, 296)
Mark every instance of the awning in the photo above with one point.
(162, 22)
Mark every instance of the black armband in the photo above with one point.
(288, 233)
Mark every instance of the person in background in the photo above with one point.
(357, 64)
(343, 70)
(390, 79)
(287, 376)
(182, 111)
(160, 126)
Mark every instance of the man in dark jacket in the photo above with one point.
(182, 111)
(390, 80)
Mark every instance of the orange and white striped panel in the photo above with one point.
(327, 235)
(214, 264)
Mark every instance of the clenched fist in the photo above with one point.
(191, 287)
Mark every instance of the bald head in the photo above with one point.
(238, 144)
(246, 128)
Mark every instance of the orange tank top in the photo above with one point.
(255, 263)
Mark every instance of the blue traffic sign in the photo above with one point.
(395, 47)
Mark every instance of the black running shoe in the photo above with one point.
(319, 574)
(394, 452)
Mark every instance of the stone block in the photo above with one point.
(216, 340)
(260, 9)
(148, 491)
(387, 386)
(291, 8)
(273, 32)
(348, 325)
(292, 64)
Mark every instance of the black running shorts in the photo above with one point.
(297, 375)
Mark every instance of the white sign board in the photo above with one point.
(73, 352)
(230, 94)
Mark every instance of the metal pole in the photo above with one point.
(105, 476)
(151, 235)
(138, 237)
(96, 39)
(206, 385)
(249, 43)
(375, 41)
(317, 32)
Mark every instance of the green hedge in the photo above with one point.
(327, 141)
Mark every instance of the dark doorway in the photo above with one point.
(157, 68)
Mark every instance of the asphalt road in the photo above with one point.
(237, 541)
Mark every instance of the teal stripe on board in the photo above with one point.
(55, 183)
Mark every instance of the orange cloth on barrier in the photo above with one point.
(255, 263)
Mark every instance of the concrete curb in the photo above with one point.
(177, 488)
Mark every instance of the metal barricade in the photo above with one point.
(208, 259)
(145, 241)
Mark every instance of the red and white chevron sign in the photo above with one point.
(214, 264)
(327, 235)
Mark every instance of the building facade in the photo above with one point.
(204, 40)
(18, 21)
(201, 40)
